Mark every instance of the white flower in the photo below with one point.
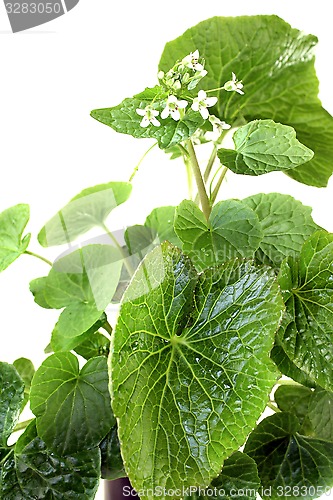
(202, 102)
(149, 116)
(173, 105)
(192, 61)
(218, 127)
(234, 85)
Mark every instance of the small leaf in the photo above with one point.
(288, 368)
(125, 119)
(88, 209)
(11, 391)
(290, 464)
(233, 230)
(83, 283)
(286, 225)
(306, 332)
(112, 464)
(320, 414)
(190, 355)
(264, 146)
(95, 345)
(42, 474)
(72, 407)
(296, 399)
(26, 370)
(12, 224)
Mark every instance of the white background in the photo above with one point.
(99, 53)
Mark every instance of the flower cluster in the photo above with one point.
(185, 75)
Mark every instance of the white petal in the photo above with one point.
(154, 112)
(234, 78)
(195, 54)
(155, 122)
(225, 125)
(182, 104)
(210, 101)
(175, 115)
(165, 113)
(195, 106)
(144, 122)
(141, 112)
(202, 95)
(204, 113)
(240, 91)
(172, 99)
(198, 67)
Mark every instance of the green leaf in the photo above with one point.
(42, 474)
(233, 230)
(306, 332)
(264, 146)
(288, 368)
(11, 392)
(320, 414)
(83, 283)
(290, 464)
(72, 407)
(88, 209)
(96, 345)
(296, 399)
(286, 225)
(112, 464)
(238, 479)
(12, 224)
(124, 118)
(26, 370)
(190, 355)
(158, 227)
(276, 64)
(9, 485)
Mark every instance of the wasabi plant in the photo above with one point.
(226, 307)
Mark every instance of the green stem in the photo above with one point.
(189, 177)
(128, 266)
(210, 163)
(22, 425)
(11, 451)
(206, 208)
(107, 327)
(287, 382)
(214, 90)
(218, 185)
(39, 257)
(140, 161)
(273, 407)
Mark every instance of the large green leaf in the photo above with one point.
(12, 224)
(125, 119)
(288, 368)
(238, 479)
(88, 209)
(43, 474)
(83, 283)
(11, 398)
(290, 464)
(286, 225)
(72, 407)
(320, 414)
(190, 355)
(264, 146)
(306, 333)
(233, 230)
(276, 64)
(26, 370)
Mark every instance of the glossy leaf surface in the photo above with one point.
(12, 224)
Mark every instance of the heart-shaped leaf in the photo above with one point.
(233, 230)
(72, 407)
(276, 64)
(190, 355)
(11, 390)
(264, 146)
(88, 209)
(306, 333)
(12, 224)
(286, 225)
(290, 464)
(320, 414)
(83, 283)
(125, 119)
